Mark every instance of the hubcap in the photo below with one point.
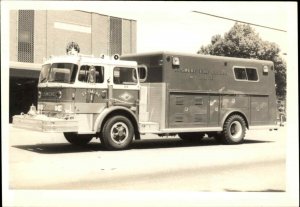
(119, 132)
(236, 130)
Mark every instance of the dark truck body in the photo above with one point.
(202, 91)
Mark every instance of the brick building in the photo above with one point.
(37, 34)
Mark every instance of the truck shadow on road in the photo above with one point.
(175, 143)
(266, 190)
(57, 148)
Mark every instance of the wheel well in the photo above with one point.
(240, 114)
(127, 115)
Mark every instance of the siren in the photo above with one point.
(116, 56)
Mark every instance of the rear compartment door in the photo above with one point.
(188, 110)
(259, 110)
(214, 110)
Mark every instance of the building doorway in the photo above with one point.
(22, 94)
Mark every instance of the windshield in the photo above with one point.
(44, 73)
(58, 72)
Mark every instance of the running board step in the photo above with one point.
(149, 127)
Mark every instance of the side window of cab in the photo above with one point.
(91, 74)
(124, 76)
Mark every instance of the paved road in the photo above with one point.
(47, 161)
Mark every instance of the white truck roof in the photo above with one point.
(82, 59)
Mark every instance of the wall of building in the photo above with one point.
(35, 35)
(100, 34)
(64, 27)
(13, 36)
(40, 36)
(95, 33)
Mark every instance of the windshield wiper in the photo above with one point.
(43, 80)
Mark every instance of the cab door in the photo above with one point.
(91, 86)
(125, 86)
(90, 96)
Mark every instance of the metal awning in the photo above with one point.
(24, 70)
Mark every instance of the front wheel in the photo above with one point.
(117, 133)
(234, 130)
(78, 139)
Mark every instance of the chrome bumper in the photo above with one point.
(43, 123)
(270, 127)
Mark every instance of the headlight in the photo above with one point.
(39, 94)
(58, 107)
(40, 107)
(59, 94)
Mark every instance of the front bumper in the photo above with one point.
(43, 123)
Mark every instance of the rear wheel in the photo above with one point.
(191, 136)
(234, 130)
(78, 139)
(117, 133)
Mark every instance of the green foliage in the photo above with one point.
(242, 41)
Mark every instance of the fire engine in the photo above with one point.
(165, 93)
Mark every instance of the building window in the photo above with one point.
(115, 36)
(26, 36)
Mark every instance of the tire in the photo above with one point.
(78, 139)
(234, 130)
(117, 133)
(191, 136)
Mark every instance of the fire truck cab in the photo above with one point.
(117, 100)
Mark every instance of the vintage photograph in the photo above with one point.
(178, 103)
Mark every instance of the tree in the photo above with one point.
(242, 41)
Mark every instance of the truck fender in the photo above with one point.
(106, 112)
(229, 113)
